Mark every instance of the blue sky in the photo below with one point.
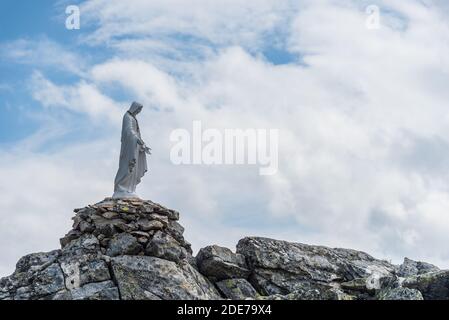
(362, 114)
(44, 21)
(24, 20)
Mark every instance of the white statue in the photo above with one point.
(133, 160)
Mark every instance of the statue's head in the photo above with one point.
(135, 108)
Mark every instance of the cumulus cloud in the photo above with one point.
(83, 97)
(361, 113)
(219, 22)
(43, 52)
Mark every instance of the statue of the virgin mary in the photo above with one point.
(133, 160)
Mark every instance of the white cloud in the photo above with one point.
(44, 52)
(363, 125)
(39, 192)
(228, 22)
(143, 80)
(83, 98)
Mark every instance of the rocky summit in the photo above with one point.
(135, 250)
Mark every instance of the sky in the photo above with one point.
(362, 115)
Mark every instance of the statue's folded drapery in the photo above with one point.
(133, 161)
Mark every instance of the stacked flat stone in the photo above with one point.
(118, 249)
(132, 227)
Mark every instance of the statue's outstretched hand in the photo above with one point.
(146, 149)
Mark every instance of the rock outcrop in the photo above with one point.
(218, 263)
(135, 250)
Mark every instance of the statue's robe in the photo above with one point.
(133, 161)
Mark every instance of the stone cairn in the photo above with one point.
(117, 250)
(132, 227)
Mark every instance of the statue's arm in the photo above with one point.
(145, 148)
(133, 130)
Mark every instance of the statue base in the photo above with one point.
(124, 195)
